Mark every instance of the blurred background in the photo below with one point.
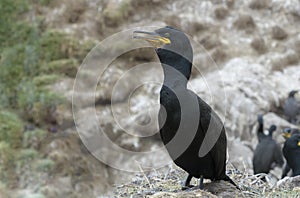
(254, 43)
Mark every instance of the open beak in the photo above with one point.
(152, 37)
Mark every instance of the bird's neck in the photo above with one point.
(176, 68)
(173, 78)
(270, 134)
(261, 128)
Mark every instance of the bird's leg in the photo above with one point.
(230, 181)
(187, 182)
(201, 182)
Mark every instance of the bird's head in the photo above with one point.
(292, 93)
(167, 38)
(288, 132)
(272, 129)
(171, 45)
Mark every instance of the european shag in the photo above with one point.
(291, 107)
(287, 133)
(291, 152)
(266, 153)
(191, 131)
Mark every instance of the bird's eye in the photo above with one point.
(167, 35)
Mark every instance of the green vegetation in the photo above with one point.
(10, 10)
(11, 129)
(44, 2)
(66, 66)
(7, 166)
(13, 156)
(44, 165)
(27, 154)
(114, 15)
(32, 57)
(45, 79)
(7, 157)
(33, 139)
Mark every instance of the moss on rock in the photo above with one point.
(44, 165)
(56, 45)
(33, 139)
(10, 10)
(63, 66)
(45, 79)
(11, 129)
(27, 154)
(45, 106)
(15, 67)
(7, 159)
(52, 46)
(35, 102)
(115, 13)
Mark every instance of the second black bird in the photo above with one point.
(266, 153)
(291, 152)
(291, 107)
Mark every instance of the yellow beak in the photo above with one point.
(286, 135)
(152, 37)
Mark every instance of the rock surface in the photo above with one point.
(246, 61)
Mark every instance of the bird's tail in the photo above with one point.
(227, 178)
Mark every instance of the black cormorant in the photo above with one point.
(291, 107)
(266, 153)
(287, 133)
(291, 152)
(191, 131)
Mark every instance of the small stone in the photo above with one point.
(259, 4)
(221, 12)
(278, 33)
(230, 3)
(259, 45)
(245, 22)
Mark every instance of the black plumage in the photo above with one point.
(260, 130)
(291, 107)
(266, 153)
(184, 118)
(287, 133)
(291, 152)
